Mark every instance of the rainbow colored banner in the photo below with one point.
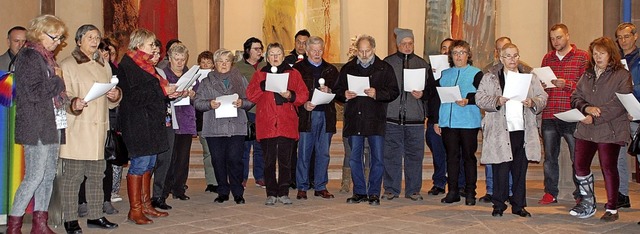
(11, 159)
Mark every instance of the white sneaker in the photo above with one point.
(115, 197)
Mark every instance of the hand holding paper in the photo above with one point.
(414, 79)
(546, 75)
(227, 109)
(358, 84)
(320, 97)
(277, 82)
(516, 86)
(99, 89)
(188, 79)
(572, 116)
(631, 104)
(439, 63)
(449, 94)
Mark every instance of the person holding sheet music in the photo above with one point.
(605, 128)
(404, 141)
(365, 116)
(459, 122)
(225, 136)
(509, 131)
(277, 121)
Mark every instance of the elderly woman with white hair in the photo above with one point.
(225, 134)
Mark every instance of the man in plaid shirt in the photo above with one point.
(568, 63)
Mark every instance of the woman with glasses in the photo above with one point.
(40, 120)
(459, 122)
(277, 122)
(509, 131)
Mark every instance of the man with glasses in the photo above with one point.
(626, 35)
(16, 37)
(568, 63)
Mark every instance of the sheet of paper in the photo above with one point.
(277, 82)
(631, 104)
(226, 108)
(188, 79)
(516, 86)
(185, 101)
(515, 117)
(203, 74)
(414, 79)
(546, 75)
(99, 89)
(439, 63)
(320, 97)
(449, 94)
(573, 115)
(624, 62)
(358, 84)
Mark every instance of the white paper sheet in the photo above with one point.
(226, 108)
(188, 79)
(514, 115)
(439, 63)
(624, 62)
(203, 74)
(320, 97)
(99, 89)
(449, 94)
(277, 82)
(631, 104)
(414, 79)
(358, 84)
(546, 75)
(516, 86)
(185, 101)
(573, 115)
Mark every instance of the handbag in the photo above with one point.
(251, 131)
(114, 147)
(634, 146)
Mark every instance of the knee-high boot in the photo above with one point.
(346, 180)
(14, 225)
(39, 224)
(587, 205)
(134, 189)
(146, 197)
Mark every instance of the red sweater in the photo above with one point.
(569, 68)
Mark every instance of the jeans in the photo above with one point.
(141, 164)
(488, 173)
(608, 156)
(552, 131)
(39, 171)
(360, 186)
(227, 162)
(318, 140)
(434, 142)
(258, 160)
(403, 143)
(623, 164)
(347, 153)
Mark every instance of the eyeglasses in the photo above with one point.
(58, 38)
(94, 38)
(625, 37)
(459, 53)
(515, 56)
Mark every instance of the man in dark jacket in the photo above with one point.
(317, 122)
(298, 53)
(405, 121)
(365, 115)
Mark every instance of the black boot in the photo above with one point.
(160, 203)
(452, 196)
(72, 227)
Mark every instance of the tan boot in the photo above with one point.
(14, 225)
(346, 180)
(39, 224)
(134, 189)
(147, 208)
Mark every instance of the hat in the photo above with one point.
(401, 33)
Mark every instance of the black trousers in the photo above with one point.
(107, 184)
(461, 143)
(226, 158)
(518, 169)
(178, 174)
(163, 163)
(277, 150)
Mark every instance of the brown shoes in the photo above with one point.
(324, 194)
(301, 195)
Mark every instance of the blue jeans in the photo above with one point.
(403, 143)
(623, 165)
(317, 140)
(552, 131)
(258, 160)
(488, 174)
(434, 142)
(141, 164)
(360, 186)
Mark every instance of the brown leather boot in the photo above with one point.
(134, 189)
(147, 208)
(14, 225)
(39, 223)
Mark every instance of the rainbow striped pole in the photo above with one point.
(11, 154)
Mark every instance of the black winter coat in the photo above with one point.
(330, 75)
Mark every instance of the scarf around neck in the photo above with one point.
(143, 60)
(62, 98)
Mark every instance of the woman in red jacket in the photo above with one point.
(277, 122)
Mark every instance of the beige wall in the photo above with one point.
(412, 13)
(240, 20)
(364, 17)
(584, 22)
(76, 13)
(525, 22)
(193, 27)
(16, 13)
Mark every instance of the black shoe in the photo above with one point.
(462, 192)
(292, 185)
(221, 198)
(435, 191)
(374, 200)
(101, 223)
(497, 212)
(451, 198)
(239, 200)
(522, 213)
(211, 188)
(181, 197)
(72, 227)
(623, 201)
(357, 198)
(470, 201)
(486, 198)
(160, 203)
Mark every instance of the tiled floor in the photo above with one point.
(401, 215)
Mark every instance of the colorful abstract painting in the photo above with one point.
(283, 18)
(471, 20)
